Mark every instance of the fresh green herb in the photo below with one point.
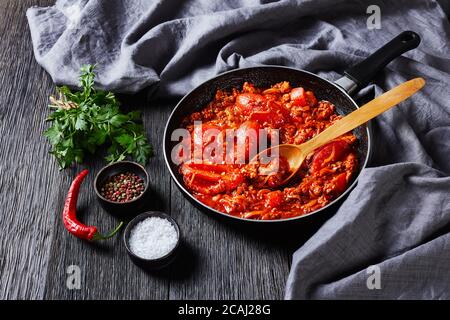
(90, 118)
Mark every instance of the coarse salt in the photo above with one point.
(153, 238)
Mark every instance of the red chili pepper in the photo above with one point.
(71, 223)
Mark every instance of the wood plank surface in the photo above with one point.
(29, 183)
(217, 261)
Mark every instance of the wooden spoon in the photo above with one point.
(296, 154)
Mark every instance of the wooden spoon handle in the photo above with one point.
(369, 111)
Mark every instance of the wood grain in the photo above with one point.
(28, 180)
(217, 261)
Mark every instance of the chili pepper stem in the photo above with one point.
(99, 236)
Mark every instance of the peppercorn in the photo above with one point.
(122, 187)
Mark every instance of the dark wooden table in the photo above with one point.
(218, 261)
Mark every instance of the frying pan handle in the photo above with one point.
(362, 74)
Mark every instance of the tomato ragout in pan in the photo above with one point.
(296, 116)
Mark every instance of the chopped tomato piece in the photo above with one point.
(274, 199)
(310, 98)
(264, 117)
(204, 178)
(274, 115)
(298, 96)
(332, 152)
(246, 102)
(248, 136)
(340, 183)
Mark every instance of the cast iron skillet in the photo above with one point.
(338, 93)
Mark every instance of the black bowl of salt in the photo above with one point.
(152, 239)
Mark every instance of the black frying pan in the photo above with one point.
(338, 93)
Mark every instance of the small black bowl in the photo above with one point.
(154, 264)
(122, 208)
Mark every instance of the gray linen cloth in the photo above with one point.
(398, 216)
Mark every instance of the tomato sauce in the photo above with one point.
(295, 115)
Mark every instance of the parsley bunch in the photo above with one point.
(90, 118)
